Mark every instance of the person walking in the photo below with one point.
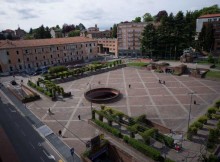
(129, 86)
(79, 117)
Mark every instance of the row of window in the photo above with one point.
(45, 63)
(39, 50)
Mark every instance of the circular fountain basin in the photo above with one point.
(102, 95)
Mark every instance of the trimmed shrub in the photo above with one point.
(217, 104)
(211, 110)
(193, 130)
(197, 125)
(169, 141)
(203, 119)
(141, 118)
(216, 116)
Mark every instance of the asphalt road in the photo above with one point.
(28, 144)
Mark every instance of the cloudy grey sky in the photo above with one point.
(33, 13)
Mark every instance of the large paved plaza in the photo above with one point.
(167, 104)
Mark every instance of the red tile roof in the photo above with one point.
(43, 42)
(209, 16)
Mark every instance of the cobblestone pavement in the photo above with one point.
(167, 104)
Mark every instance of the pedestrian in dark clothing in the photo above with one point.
(60, 133)
(79, 117)
(159, 81)
(194, 102)
(99, 82)
(129, 86)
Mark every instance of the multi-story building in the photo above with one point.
(93, 32)
(214, 19)
(129, 38)
(21, 55)
(206, 18)
(108, 45)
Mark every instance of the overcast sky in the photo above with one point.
(104, 13)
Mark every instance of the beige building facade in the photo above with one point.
(21, 55)
(129, 38)
(108, 46)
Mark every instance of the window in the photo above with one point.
(42, 50)
(90, 44)
(82, 52)
(90, 50)
(45, 64)
(57, 48)
(86, 45)
(11, 68)
(29, 66)
(77, 52)
(37, 64)
(17, 52)
(71, 59)
(81, 45)
(50, 49)
(64, 54)
(20, 67)
(51, 56)
(44, 57)
(35, 51)
(36, 58)
(26, 51)
(27, 59)
(9, 61)
(64, 47)
(51, 62)
(71, 54)
(19, 60)
(7, 53)
(58, 61)
(58, 55)
(65, 60)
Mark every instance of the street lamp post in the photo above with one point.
(191, 93)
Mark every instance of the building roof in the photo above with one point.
(43, 42)
(209, 16)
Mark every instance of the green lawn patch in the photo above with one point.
(213, 74)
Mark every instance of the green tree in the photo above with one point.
(137, 19)
(147, 17)
(31, 31)
(148, 39)
(114, 31)
(74, 33)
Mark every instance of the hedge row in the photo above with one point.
(30, 98)
(38, 88)
(110, 129)
(146, 150)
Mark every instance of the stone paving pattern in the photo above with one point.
(167, 104)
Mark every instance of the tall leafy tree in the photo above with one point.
(148, 40)
(114, 31)
(137, 19)
(161, 14)
(147, 17)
